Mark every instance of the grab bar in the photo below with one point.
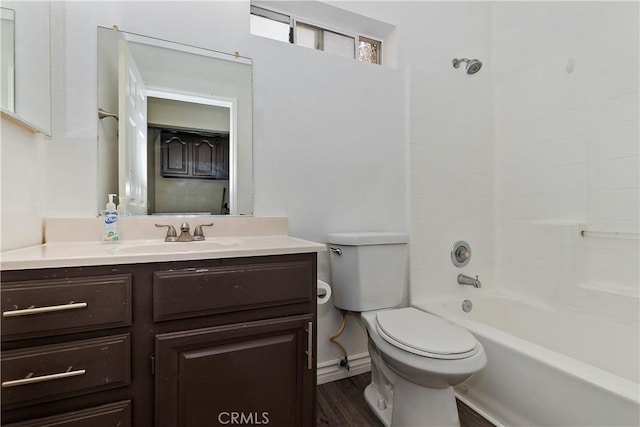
(610, 234)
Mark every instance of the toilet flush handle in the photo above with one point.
(336, 251)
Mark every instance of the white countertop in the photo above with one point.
(73, 242)
(78, 254)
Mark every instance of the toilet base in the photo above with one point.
(398, 402)
(415, 405)
(373, 398)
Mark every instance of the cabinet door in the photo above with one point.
(175, 155)
(251, 373)
(211, 157)
(204, 157)
(223, 157)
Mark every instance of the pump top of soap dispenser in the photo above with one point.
(111, 206)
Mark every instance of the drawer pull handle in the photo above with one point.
(48, 309)
(30, 379)
(309, 351)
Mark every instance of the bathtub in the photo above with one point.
(548, 366)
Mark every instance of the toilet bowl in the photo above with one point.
(413, 374)
(416, 357)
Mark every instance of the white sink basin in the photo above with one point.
(170, 247)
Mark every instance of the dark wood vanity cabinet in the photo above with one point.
(189, 343)
(255, 370)
(185, 155)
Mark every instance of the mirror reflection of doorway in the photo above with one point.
(188, 157)
(172, 72)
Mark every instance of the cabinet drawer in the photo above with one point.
(53, 307)
(110, 415)
(40, 374)
(187, 293)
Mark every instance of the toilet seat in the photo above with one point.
(424, 334)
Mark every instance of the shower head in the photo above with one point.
(473, 65)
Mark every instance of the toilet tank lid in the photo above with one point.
(368, 238)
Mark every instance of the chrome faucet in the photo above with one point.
(185, 236)
(466, 280)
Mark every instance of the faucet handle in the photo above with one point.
(198, 234)
(172, 236)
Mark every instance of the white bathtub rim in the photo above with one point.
(621, 387)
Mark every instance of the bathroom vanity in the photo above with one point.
(145, 340)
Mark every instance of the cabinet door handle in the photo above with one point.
(48, 309)
(42, 378)
(310, 346)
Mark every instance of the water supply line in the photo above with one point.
(344, 360)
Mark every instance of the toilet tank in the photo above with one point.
(367, 269)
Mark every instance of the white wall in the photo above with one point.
(167, 112)
(330, 155)
(567, 151)
(22, 186)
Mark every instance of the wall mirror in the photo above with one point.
(174, 127)
(25, 70)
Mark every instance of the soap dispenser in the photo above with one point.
(111, 233)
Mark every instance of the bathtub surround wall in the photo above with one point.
(566, 103)
(518, 164)
(451, 153)
(451, 179)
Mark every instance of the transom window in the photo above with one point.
(287, 28)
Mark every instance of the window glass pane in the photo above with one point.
(265, 27)
(369, 51)
(339, 44)
(307, 35)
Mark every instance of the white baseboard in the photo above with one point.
(331, 371)
(478, 410)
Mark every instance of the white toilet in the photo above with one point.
(416, 357)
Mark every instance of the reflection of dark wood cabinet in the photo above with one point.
(191, 344)
(188, 155)
(175, 155)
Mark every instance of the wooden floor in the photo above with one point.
(341, 403)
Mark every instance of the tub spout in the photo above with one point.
(466, 280)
